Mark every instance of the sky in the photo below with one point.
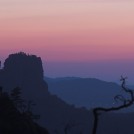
(88, 38)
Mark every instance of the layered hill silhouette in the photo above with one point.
(87, 92)
(26, 71)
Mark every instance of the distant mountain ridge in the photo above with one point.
(87, 92)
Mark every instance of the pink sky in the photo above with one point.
(68, 30)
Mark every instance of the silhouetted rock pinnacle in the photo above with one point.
(22, 70)
(26, 72)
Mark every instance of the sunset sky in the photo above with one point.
(94, 36)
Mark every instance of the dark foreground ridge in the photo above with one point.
(12, 121)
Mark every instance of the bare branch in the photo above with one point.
(126, 103)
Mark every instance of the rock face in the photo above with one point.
(26, 71)
(22, 70)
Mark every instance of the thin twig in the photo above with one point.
(126, 103)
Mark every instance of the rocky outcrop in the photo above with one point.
(26, 71)
(23, 71)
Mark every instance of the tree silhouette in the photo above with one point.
(25, 107)
(126, 103)
(17, 100)
(14, 121)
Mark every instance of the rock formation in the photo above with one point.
(26, 71)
